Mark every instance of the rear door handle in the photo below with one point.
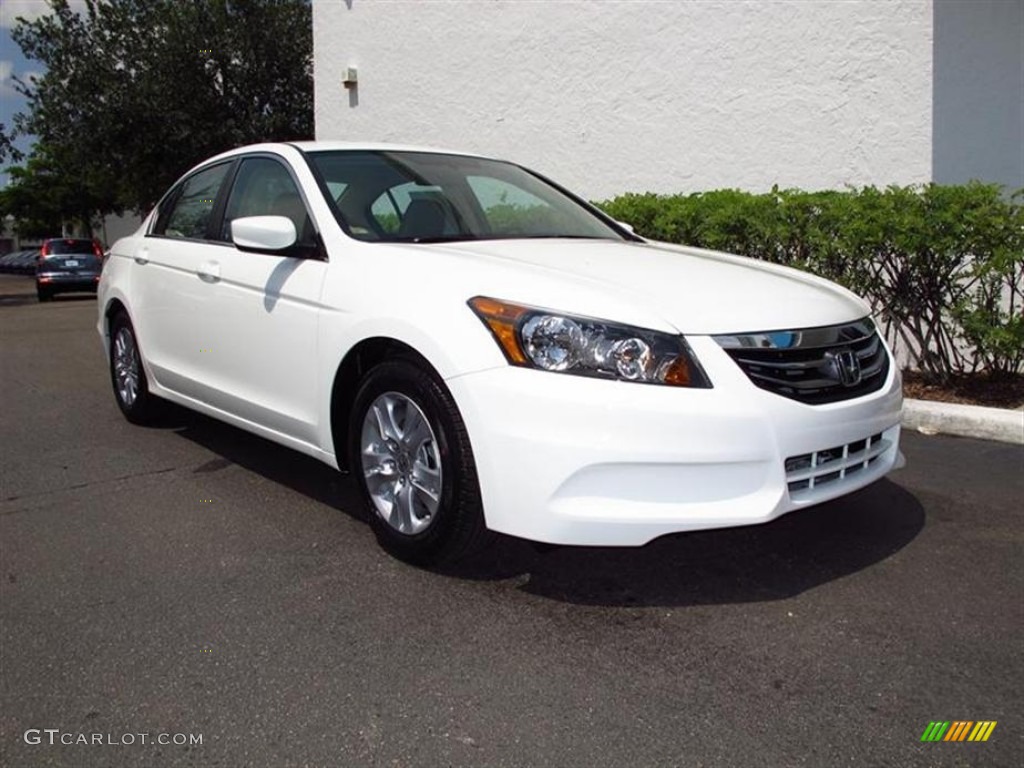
(209, 272)
(142, 256)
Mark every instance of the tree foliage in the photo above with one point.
(137, 91)
(7, 148)
(44, 201)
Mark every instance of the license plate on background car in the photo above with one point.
(71, 263)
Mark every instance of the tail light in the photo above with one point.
(45, 251)
(97, 249)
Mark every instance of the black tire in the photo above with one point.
(456, 529)
(43, 295)
(143, 408)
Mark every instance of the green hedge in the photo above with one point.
(942, 266)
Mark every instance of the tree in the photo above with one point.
(137, 91)
(44, 201)
(7, 148)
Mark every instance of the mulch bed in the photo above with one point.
(1005, 391)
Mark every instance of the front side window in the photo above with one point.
(427, 197)
(264, 187)
(188, 215)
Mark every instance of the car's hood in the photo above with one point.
(696, 291)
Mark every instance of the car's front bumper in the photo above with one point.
(573, 460)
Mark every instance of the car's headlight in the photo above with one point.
(555, 341)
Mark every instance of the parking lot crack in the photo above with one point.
(79, 486)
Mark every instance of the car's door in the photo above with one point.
(262, 337)
(172, 283)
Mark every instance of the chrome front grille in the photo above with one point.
(810, 471)
(812, 365)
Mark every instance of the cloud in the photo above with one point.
(7, 79)
(10, 10)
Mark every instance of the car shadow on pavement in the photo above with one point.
(17, 299)
(774, 561)
(282, 465)
(17, 290)
(20, 291)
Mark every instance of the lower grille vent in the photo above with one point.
(809, 471)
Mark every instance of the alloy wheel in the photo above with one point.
(401, 463)
(126, 366)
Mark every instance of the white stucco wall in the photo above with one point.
(608, 97)
(979, 92)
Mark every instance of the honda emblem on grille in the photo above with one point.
(844, 366)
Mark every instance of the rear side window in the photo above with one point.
(189, 212)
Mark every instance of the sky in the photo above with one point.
(12, 63)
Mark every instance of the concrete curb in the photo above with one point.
(931, 418)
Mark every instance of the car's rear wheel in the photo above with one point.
(131, 389)
(411, 452)
(43, 294)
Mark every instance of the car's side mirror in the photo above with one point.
(626, 226)
(263, 234)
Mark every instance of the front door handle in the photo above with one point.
(209, 272)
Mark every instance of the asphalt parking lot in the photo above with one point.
(193, 579)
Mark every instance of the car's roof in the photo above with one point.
(334, 146)
(328, 146)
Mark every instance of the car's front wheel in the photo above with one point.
(411, 452)
(131, 389)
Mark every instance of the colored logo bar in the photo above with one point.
(958, 730)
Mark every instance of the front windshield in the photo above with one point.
(426, 197)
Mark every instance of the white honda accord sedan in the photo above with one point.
(487, 352)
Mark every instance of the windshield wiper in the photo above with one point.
(466, 238)
(440, 239)
(558, 237)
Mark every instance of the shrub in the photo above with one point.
(941, 266)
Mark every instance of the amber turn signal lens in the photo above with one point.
(678, 373)
(501, 318)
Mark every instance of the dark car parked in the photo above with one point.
(20, 262)
(7, 261)
(68, 265)
(26, 264)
